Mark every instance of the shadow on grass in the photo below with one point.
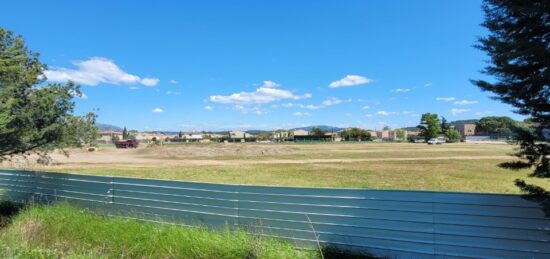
(337, 252)
(8, 210)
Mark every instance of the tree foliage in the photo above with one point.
(317, 132)
(355, 134)
(429, 126)
(400, 134)
(453, 135)
(125, 134)
(35, 116)
(518, 46)
(496, 125)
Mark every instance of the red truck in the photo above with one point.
(130, 143)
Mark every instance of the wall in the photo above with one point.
(401, 224)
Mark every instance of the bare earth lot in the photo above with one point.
(450, 167)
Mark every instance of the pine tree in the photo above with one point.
(125, 134)
(518, 46)
(35, 116)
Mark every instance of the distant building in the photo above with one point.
(305, 136)
(390, 135)
(240, 136)
(300, 133)
(193, 137)
(280, 136)
(466, 129)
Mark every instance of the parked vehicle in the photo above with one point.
(435, 141)
(130, 143)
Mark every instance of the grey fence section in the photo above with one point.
(400, 224)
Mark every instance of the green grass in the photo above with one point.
(63, 231)
(436, 175)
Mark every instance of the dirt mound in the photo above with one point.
(214, 150)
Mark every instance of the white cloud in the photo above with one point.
(368, 115)
(246, 110)
(456, 111)
(158, 110)
(301, 114)
(133, 88)
(208, 107)
(350, 80)
(267, 93)
(97, 70)
(386, 113)
(83, 96)
(149, 81)
(407, 112)
(466, 102)
(427, 84)
(172, 81)
(483, 113)
(270, 84)
(326, 103)
(401, 90)
(445, 99)
(331, 101)
(366, 107)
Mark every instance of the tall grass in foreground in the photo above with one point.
(62, 231)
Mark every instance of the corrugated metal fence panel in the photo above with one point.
(385, 223)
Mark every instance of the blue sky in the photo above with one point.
(209, 65)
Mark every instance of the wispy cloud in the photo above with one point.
(133, 88)
(456, 111)
(350, 80)
(445, 99)
(208, 108)
(97, 70)
(249, 110)
(483, 113)
(401, 90)
(301, 114)
(266, 93)
(427, 84)
(326, 103)
(158, 110)
(465, 102)
(366, 107)
(387, 113)
(172, 81)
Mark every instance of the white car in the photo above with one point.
(434, 141)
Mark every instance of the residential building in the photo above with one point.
(240, 136)
(466, 129)
(193, 137)
(280, 136)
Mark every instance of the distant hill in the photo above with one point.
(322, 127)
(107, 127)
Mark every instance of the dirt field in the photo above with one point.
(453, 167)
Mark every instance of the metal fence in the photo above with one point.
(401, 224)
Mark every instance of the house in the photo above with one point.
(466, 129)
(193, 137)
(300, 135)
(390, 135)
(280, 136)
(240, 136)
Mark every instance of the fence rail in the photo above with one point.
(383, 223)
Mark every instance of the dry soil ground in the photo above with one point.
(453, 167)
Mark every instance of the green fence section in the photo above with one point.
(401, 224)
